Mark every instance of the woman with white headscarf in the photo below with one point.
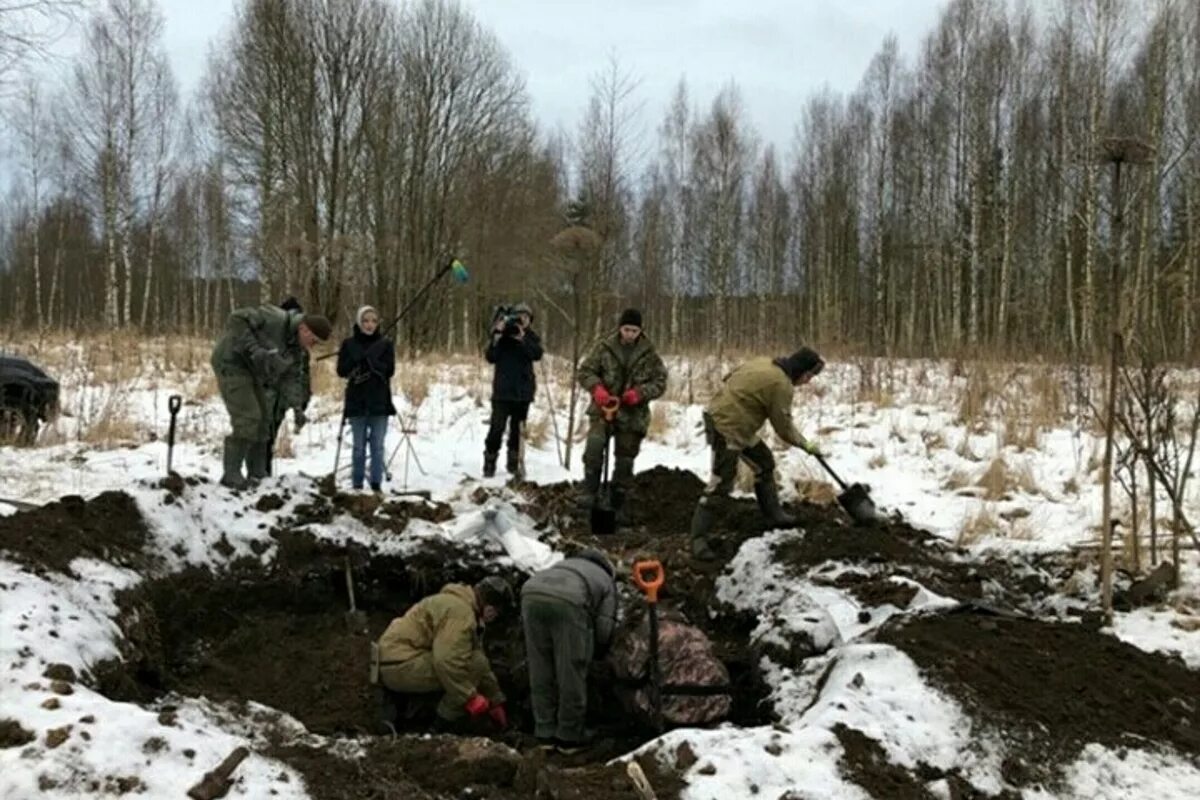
(367, 360)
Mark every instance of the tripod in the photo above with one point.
(408, 428)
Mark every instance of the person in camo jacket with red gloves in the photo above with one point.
(623, 367)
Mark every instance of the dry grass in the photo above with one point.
(999, 480)
(109, 430)
(959, 479)
(977, 396)
(284, 447)
(538, 430)
(983, 522)
(878, 461)
(821, 493)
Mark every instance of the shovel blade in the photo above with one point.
(858, 504)
(603, 516)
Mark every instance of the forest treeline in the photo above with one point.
(964, 198)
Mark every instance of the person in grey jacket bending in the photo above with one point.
(569, 612)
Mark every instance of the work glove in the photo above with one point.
(476, 705)
(270, 364)
(631, 397)
(812, 448)
(601, 396)
(299, 419)
(499, 716)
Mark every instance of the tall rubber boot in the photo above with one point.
(232, 457)
(702, 522)
(489, 463)
(591, 487)
(513, 463)
(768, 503)
(622, 481)
(256, 461)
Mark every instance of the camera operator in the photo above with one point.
(513, 348)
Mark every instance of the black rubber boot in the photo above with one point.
(256, 461)
(489, 464)
(513, 463)
(591, 487)
(232, 458)
(768, 503)
(702, 522)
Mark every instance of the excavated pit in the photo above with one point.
(277, 635)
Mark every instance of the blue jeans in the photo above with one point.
(366, 430)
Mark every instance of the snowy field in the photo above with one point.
(987, 456)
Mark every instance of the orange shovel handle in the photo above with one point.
(649, 577)
(610, 409)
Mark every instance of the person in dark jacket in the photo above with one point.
(569, 614)
(367, 361)
(513, 348)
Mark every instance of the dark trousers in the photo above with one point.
(509, 413)
(559, 643)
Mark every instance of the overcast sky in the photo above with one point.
(778, 51)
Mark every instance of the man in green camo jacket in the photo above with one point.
(623, 369)
(261, 364)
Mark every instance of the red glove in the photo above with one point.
(601, 395)
(631, 397)
(499, 716)
(476, 705)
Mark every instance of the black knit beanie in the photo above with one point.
(798, 363)
(630, 316)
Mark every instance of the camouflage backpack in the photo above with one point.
(685, 657)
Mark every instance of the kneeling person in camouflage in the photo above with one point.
(755, 392)
(436, 646)
(623, 369)
(261, 364)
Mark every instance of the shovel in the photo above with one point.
(854, 498)
(355, 620)
(649, 577)
(174, 403)
(604, 516)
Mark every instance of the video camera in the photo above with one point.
(510, 316)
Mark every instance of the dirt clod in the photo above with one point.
(61, 687)
(60, 672)
(51, 704)
(268, 503)
(56, 736)
(13, 735)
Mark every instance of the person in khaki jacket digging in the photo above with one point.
(755, 392)
(436, 645)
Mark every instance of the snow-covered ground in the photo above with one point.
(910, 435)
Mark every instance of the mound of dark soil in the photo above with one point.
(1053, 687)
(423, 769)
(882, 551)
(865, 762)
(107, 527)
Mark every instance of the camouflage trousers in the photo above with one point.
(418, 676)
(626, 446)
(559, 643)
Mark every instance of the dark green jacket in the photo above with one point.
(261, 344)
(620, 367)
